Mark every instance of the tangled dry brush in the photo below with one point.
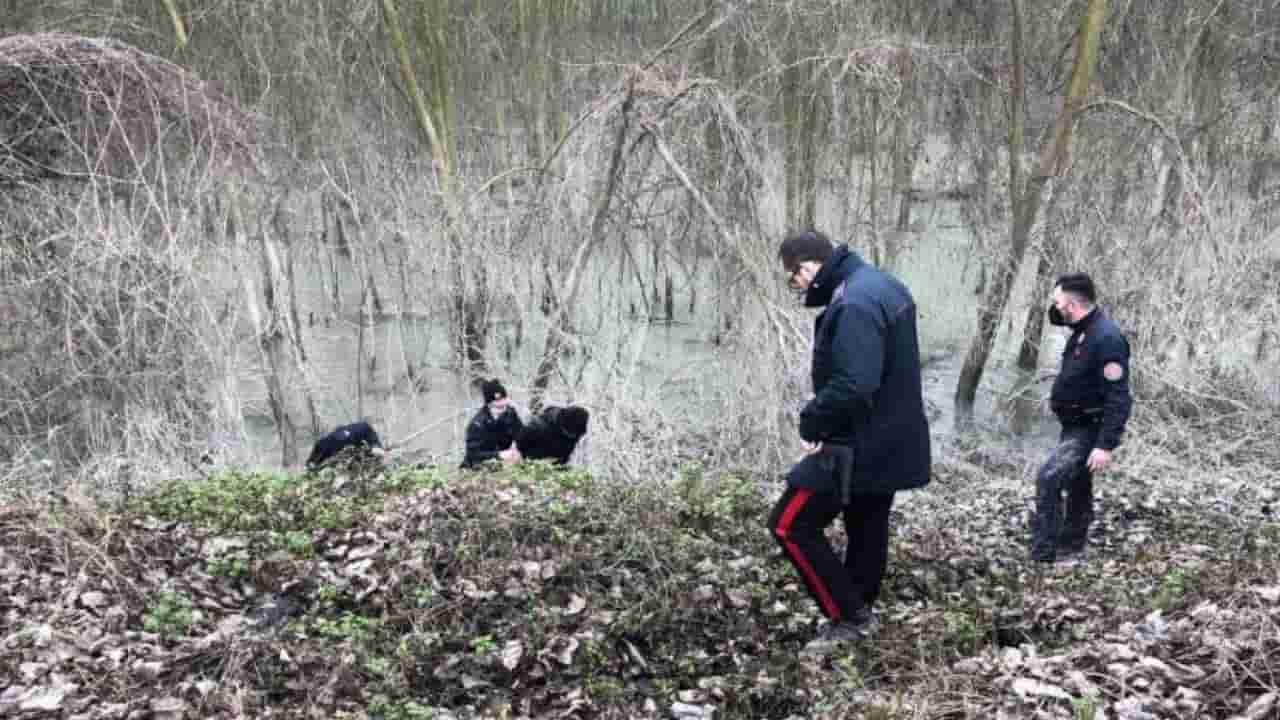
(77, 107)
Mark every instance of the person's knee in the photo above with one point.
(1050, 476)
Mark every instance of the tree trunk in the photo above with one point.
(669, 303)
(872, 128)
(792, 91)
(558, 331)
(436, 127)
(1026, 403)
(1054, 159)
(1266, 159)
(286, 377)
(807, 172)
(904, 144)
(711, 136)
(284, 233)
(179, 29)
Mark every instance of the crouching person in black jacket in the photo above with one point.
(553, 434)
(492, 432)
(865, 431)
(358, 435)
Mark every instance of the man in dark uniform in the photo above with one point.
(491, 434)
(865, 431)
(553, 434)
(1092, 401)
(360, 435)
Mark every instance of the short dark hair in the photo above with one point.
(492, 390)
(1078, 284)
(802, 246)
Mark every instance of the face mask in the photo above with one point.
(1056, 317)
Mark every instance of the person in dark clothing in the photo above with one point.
(492, 432)
(1091, 398)
(355, 435)
(553, 434)
(865, 430)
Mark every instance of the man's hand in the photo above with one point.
(511, 455)
(811, 448)
(1099, 459)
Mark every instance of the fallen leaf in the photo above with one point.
(683, 711)
(204, 687)
(1270, 594)
(511, 654)
(635, 655)
(1028, 688)
(168, 705)
(45, 698)
(568, 646)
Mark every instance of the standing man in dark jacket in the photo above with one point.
(865, 431)
(1092, 401)
(491, 434)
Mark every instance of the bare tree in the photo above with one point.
(1054, 160)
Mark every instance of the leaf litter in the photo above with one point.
(538, 594)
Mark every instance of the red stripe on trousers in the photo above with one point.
(784, 531)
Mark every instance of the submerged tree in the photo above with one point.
(1026, 200)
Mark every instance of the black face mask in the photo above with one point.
(1056, 317)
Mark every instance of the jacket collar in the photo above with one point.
(842, 263)
(1087, 320)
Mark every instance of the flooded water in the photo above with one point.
(406, 383)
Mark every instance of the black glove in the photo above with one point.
(809, 430)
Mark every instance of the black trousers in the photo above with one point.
(1066, 470)
(799, 522)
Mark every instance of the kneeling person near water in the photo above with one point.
(356, 435)
(492, 432)
(553, 434)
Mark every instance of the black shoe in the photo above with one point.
(1072, 550)
(845, 633)
(866, 620)
(833, 637)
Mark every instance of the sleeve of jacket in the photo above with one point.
(479, 447)
(857, 350)
(1117, 401)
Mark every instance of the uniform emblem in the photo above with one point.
(1113, 371)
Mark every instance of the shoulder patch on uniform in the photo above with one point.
(1113, 371)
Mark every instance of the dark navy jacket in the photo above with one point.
(1083, 393)
(356, 434)
(866, 380)
(487, 436)
(546, 438)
